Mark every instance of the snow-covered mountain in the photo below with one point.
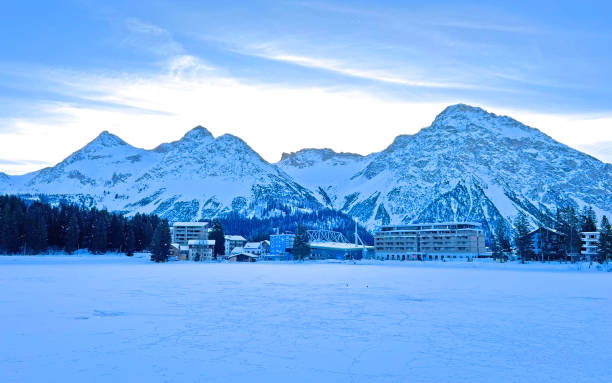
(468, 165)
(198, 176)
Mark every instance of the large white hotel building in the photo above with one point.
(430, 241)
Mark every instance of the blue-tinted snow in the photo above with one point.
(113, 318)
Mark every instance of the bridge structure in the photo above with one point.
(326, 236)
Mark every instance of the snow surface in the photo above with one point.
(113, 318)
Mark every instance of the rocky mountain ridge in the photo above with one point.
(469, 165)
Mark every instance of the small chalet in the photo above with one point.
(548, 244)
(243, 257)
(257, 248)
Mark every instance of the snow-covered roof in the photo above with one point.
(201, 242)
(433, 224)
(237, 250)
(252, 245)
(547, 229)
(234, 238)
(335, 245)
(196, 224)
(251, 255)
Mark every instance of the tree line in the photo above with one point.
(569, 223)
(33, 227)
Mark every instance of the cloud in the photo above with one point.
(4, 161)
(150, 37)
(267, 51)
(272, 118)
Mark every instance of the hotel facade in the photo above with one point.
(183, 232)
(430, 241)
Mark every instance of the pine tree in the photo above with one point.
(160, 244)
(218, 236)
(72, 234)
(502, 245)
(604, 248)
(115, 233)
(569, 225)
(130, 240)
(301, 246)
(99, 233)
(9, 231)
(523, 243)
(147, 234)
(35, 229)
(588, 220)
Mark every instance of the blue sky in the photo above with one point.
(284, 75)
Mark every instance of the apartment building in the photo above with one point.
(183, 232)
(590, 242)
(430, 241)
(281, 245)
(233, 241)
(201, 249)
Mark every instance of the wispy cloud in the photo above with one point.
(150, 37)
(267, 51)
(190, 92)
(6, 161)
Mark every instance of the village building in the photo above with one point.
(590, 244)
(232, 241)
(201, 249)
(430, 241)
(181, 252)
(281, 245)
(183, 232)
(243, 257)
(547, 244)
(257, 248)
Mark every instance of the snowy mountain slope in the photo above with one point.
(195, 177)
(468, 165)
(323, 171)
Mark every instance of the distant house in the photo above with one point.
(233, 241)
(257, 248)
(547, 244)
(243, 257)
(590, 244)
(175, 249)
(181, 252)
(201, 249)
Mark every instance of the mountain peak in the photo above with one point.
(467, 118)
(198, 133)
(462, 112)
(107, 139)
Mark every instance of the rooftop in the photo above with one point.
(201, 242)
(336, 245)
(438, 224)
(234, 238)
(197, 224)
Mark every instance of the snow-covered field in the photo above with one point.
(119, 319)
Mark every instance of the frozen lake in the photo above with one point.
(98, 319)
